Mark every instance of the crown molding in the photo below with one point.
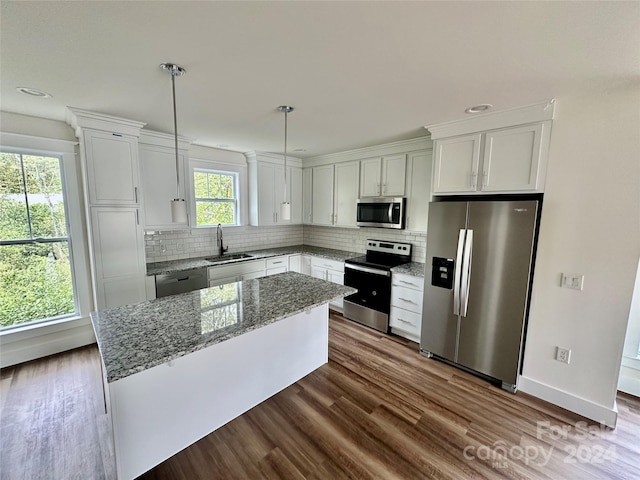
(79, 119)
(253, 156)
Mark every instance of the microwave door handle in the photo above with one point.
(457, 273)
(390, 213)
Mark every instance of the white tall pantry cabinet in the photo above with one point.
(111, 170)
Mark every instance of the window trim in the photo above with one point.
(71, 185)
(240, 172)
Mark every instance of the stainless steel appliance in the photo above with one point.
(479, 268)
(181, 282)
(384, 212)
(371, 275)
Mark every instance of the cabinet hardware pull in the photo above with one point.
(135, 193)
(277, 262)
(408, 283)
(405, 321)
(474, 179)
(137, 218)
(405, 300)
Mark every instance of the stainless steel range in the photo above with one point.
(371, 275)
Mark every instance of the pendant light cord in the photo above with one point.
(175, 130)
(286, 113)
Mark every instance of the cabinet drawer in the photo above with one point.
(274, 270)
(277, 262)
(407, 299)
(238, 268)
(407, 281)
(405, 320)
(326, 263)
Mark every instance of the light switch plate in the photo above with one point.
(574, 281)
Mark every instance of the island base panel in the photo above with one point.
(160, 411)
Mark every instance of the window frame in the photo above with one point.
(76, 226)
(209, 166)
(233, 201)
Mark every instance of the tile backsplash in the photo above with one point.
(199, 242)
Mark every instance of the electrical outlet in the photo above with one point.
(563, 354)
(575, 281)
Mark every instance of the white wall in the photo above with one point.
(590, 225)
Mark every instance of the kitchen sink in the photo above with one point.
(227, 258)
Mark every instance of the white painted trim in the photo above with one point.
(25, 344)
(490, 121)
(629, 380)
(253, 157)
(79, 119)
(160, 139)
(581, 406)
(402, 146)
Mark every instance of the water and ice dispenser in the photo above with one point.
(442, 272)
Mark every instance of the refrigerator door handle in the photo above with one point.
(466, 273)
(457, 273)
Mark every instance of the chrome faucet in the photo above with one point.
(220, 242)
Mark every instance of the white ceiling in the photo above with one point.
(358, 73)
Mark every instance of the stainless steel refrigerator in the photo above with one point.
(479, 268)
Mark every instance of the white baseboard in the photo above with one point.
(581, 406)
(23, 346)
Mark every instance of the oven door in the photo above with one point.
(373, 285)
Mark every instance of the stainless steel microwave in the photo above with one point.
(383, 212)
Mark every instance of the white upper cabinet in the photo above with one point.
(335, 193)
(419, 167)
(307, 195)
(511, 159)
(266, 189)
(158, 178)
(346, 194)
(503, 152)
(383, 176)
(112, 168)
(322, 187)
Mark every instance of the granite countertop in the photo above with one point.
(415, 269)
(159, 268)
(133, 338)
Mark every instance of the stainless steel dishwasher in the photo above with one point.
(181, 282)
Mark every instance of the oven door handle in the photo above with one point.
(383, 273)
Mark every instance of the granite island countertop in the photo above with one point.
(172, 266)
(133, 338)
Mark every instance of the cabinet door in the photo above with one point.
(278, 192)
(295, 263)
(251, 275)
(214, 282)
(370, 171)
(346, 193)
(307, 192)
(394, 175)
(306, 264)
(511, 159)
(336, 277)
(456, 161)
(323, 195)
(267, 193)
(318, 272)
(112, 168)
(119, 260)
(294, 187)
(419, 190)
(158, 180)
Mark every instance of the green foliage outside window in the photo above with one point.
(215, 197)
(35, 269)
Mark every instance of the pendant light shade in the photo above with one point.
(178, 204)
(285, 206)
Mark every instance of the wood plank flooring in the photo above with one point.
(377, 410)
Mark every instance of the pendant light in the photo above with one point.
(285, 207)
(178, 204)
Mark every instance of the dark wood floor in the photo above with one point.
(376, 410)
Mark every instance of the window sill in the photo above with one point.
(631, 362)
(30, 331)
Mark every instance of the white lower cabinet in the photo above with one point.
(236, 271)
(306, 264)
(295, 263)
(329, 270)
(406, 306)
(119, 259)
(277, 265)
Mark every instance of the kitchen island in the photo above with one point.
(179, 367)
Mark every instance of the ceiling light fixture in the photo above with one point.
(483, 107)
(33, 92)
(285, 207)
(178, 205)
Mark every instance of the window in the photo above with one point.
(216, 197)
(36, 280)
